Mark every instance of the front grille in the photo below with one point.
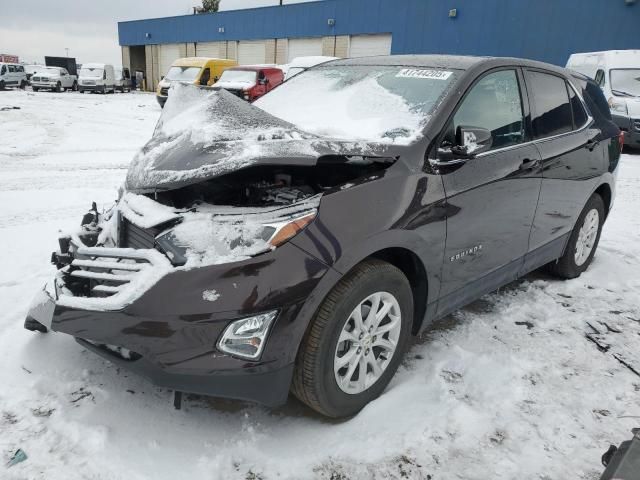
(36, 79)
(164, 91)
(133, 236)
(636, 125)
(104, 272)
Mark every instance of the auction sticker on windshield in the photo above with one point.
(420, 73)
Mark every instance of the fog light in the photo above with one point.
(246, 337)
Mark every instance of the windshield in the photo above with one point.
(186, 74)
(240, 76)
(91, 72)
(626, 81)
(383, 104)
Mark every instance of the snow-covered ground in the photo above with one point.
(513, 386)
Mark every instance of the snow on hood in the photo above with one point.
(204, 133)
(235, 85)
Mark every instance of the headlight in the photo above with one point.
(618, 106)
(278, 233)
(249, 241)
(246, 337)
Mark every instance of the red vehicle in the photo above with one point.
(250, 82)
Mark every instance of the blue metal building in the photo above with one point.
(548, 30)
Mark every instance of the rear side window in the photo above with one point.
(493, 103)
(551, 108)
(579, 115)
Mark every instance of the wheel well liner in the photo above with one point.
(604, 191)
(413, 268)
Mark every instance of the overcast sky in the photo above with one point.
(32, 29)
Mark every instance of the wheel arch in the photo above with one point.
(412, 267)
(604, 190)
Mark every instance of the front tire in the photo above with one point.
(58, 87)
(583, 241)
(23, 85)
(2, 85)
(356, 340)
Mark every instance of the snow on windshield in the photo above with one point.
(187, 74)
(381, 104)
(239, 76)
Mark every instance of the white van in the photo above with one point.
(618, 74)
(97, 77)
(12, 75)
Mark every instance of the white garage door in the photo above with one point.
(370, 45)
(168, 54)
(304, 47)
(251, 53)
(210, 49)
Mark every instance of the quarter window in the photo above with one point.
(579, 115)
(551, 108)
(599, 78)
(494, 104)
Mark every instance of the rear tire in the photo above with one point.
(335, 349)
(58, 87)
(583, 241)
(2, 85)
(35, 89)
(23, 85)
(74, 87)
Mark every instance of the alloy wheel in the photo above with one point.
(367, 342)
(587, 237)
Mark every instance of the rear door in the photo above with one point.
(491, 199)
(572, 161)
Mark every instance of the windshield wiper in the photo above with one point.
(626, 94)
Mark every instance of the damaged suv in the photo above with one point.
(296, 244)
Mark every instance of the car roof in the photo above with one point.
(457, 62)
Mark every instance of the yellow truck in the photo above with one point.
(197, 70)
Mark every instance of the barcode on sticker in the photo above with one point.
(419, 73)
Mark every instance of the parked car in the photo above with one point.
(250, 82)
(298, 242)
(12, 75)
(123, 79)
(618, 74)
(197, 70)
(53, 78)
(97, 77)
(300, 64)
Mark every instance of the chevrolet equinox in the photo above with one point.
(297, 243)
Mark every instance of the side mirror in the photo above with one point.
(470, 141)
(162, 77)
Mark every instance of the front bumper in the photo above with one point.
(169, 332)
(631, 129)
(91, 88)
(44, 85)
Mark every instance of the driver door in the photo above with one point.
(491, 197)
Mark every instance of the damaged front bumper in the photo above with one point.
(136, 308)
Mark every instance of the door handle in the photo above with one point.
(591, 144)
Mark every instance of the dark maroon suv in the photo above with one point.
(297, 243)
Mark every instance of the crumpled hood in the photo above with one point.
(205, 133)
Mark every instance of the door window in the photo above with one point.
(551, 108)
(3, 70)
(12, 68)
(494, 103)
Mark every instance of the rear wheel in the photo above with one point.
(74, 87)
(23, 85)
(58, 87)
(583, 241)
(356, 340)
(2, 85)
